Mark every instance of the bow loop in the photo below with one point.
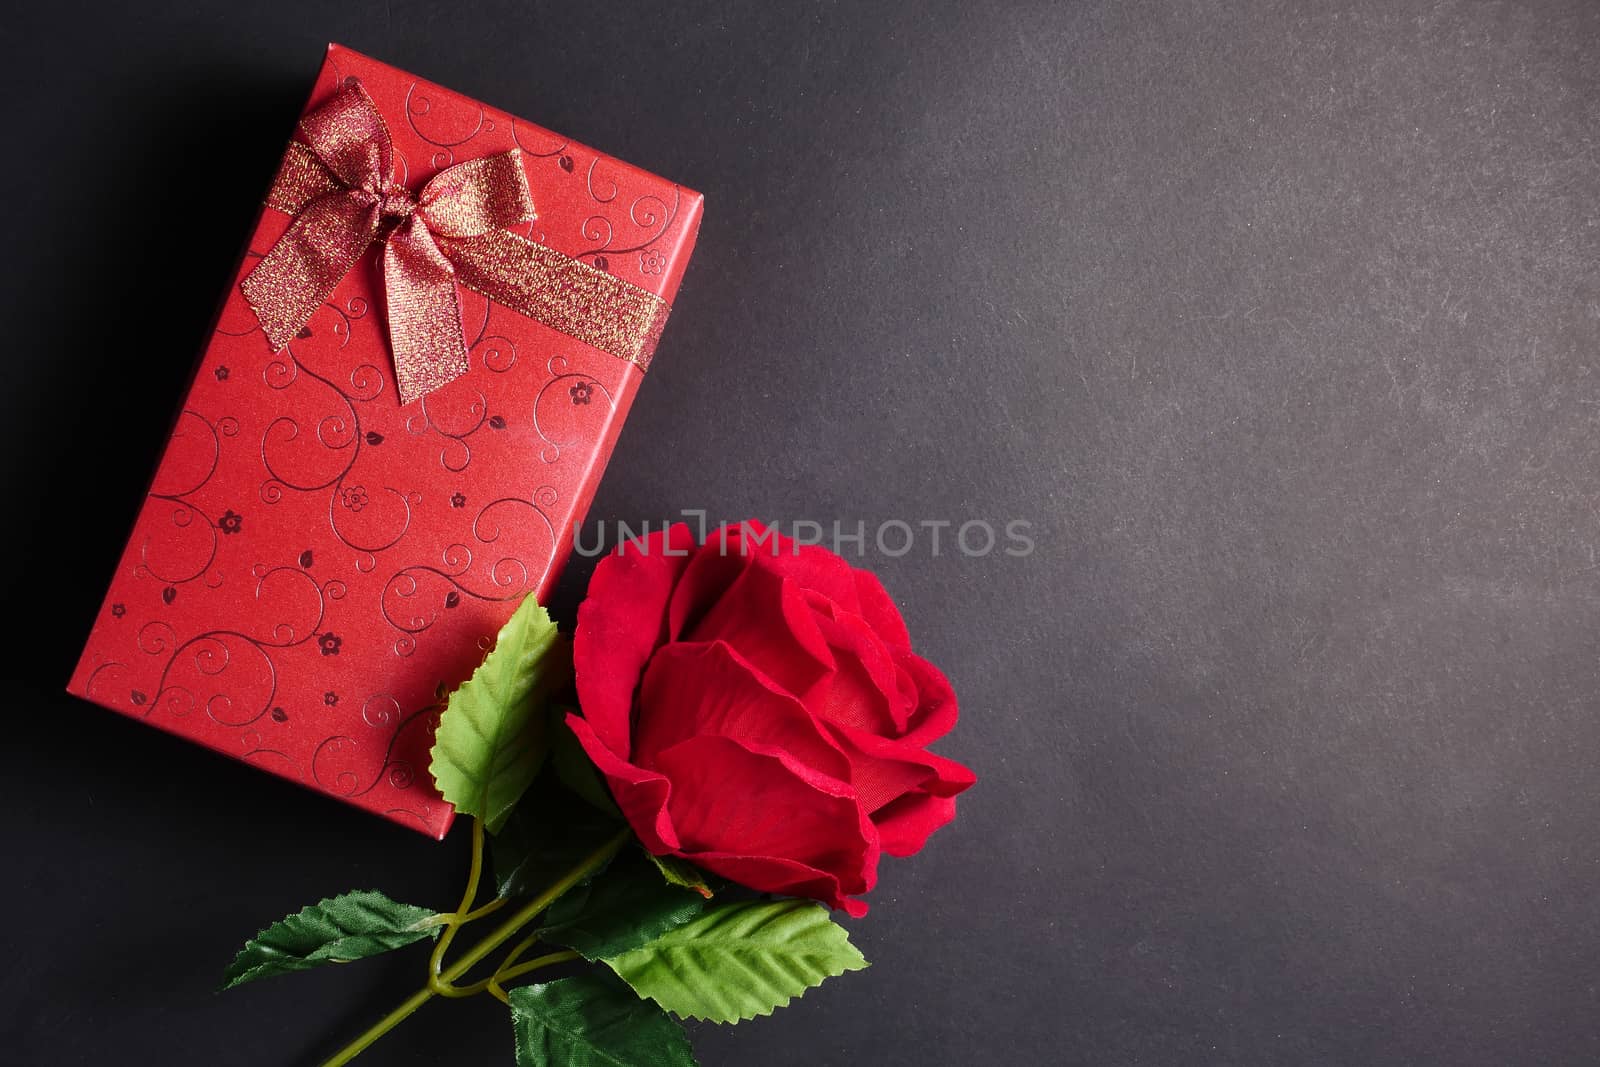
(472, 198)
(349, 138)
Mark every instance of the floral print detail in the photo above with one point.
(118, 611)
(329, 643)
(581, 393)
(458, 500)
(222, 374)
(353, 497)
(330, 698)
(652, 262)
(231, 522)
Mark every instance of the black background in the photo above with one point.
(1277, 320)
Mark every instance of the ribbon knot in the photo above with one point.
(396, 201)
(348, 141)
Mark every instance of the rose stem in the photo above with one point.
(502, 933)
(535, 964)
(454, 920)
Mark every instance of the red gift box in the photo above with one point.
(316, 561)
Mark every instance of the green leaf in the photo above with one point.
(740, 960)
(681, 872)
(337, 930)
(627, 907)
(596, 1021)
(550, 832)
(492, 735)
(574, 767)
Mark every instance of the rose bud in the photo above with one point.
(755, 706)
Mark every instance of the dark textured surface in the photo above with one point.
(1277, 320)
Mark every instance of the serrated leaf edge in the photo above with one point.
(860, 963)
(504, 755)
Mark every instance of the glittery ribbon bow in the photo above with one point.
(337, 181)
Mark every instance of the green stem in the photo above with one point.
(381, 1027)
(499, 936)
(505, 972)
(535, 964)
(516, 952)
(445, 989)
(453, 921)
(488, 909)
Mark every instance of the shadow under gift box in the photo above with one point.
(314, 561)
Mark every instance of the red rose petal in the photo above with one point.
(878, 781)
(883, 771)
(880, 611)
(864, 692)
(945, 777)
(728, 797)
(641, 794)
(816, 568)
(716, 565)
(768, 622)
(620, 624)
(905, 826)
(708, 689)
(936, 711)
(770, 874)
(730, 550)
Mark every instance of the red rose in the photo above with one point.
(757, 709)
